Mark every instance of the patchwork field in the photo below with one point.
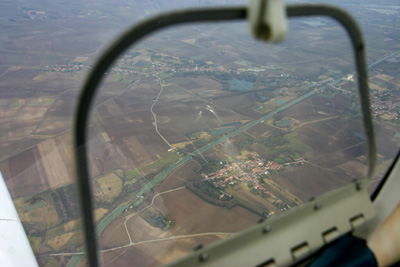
(241, 104)
(57, 157)
(153, 245)
(45, 166)
(45, 215)
(198, 85)
(166, 99)
(140, 230)
(182, 175)
(107, 187)
(129, 130)
(192, 215)
(243, 195)
(155, 253)
(114, 235)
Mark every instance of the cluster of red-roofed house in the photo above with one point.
(246, 171)
(250, 172)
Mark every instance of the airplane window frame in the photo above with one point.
(137, 32)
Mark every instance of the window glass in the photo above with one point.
(196, 133)
(200, 131)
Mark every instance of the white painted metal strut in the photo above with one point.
(268, 20)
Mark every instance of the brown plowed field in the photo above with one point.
(197, 85)
(256, 200)
(129, 124)
(184, 117)
(140, 230)
(311, 181)
(138, 150)
(134, 135)
(258, 129)
(104, 156)
(22, 174)
(193, 215)
(47, 165)
(114, 235)
(241, 104)
(305, 107)
(181, 176)
(59, 170)
(155, 253)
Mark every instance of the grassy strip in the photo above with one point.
(296, 143)
(167, 160)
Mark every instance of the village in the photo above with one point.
(384, 105)
(152, 67)
(251, 172)
(71, 67)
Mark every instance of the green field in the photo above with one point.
(3, 131)
(267, 150)
(77, 238)
(243, 202)
(41, 102)
(118, 77)
(56, 231)
(52, 263)
(167, 160)
(379, 83)
(9, 103)
(296, 143)
(34, 206)
(132, 174)
(164, 75)
(35, 243)
(100, 227)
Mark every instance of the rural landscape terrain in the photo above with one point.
(195, 134)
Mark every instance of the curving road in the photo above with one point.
(155, 115)
(177, 237)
